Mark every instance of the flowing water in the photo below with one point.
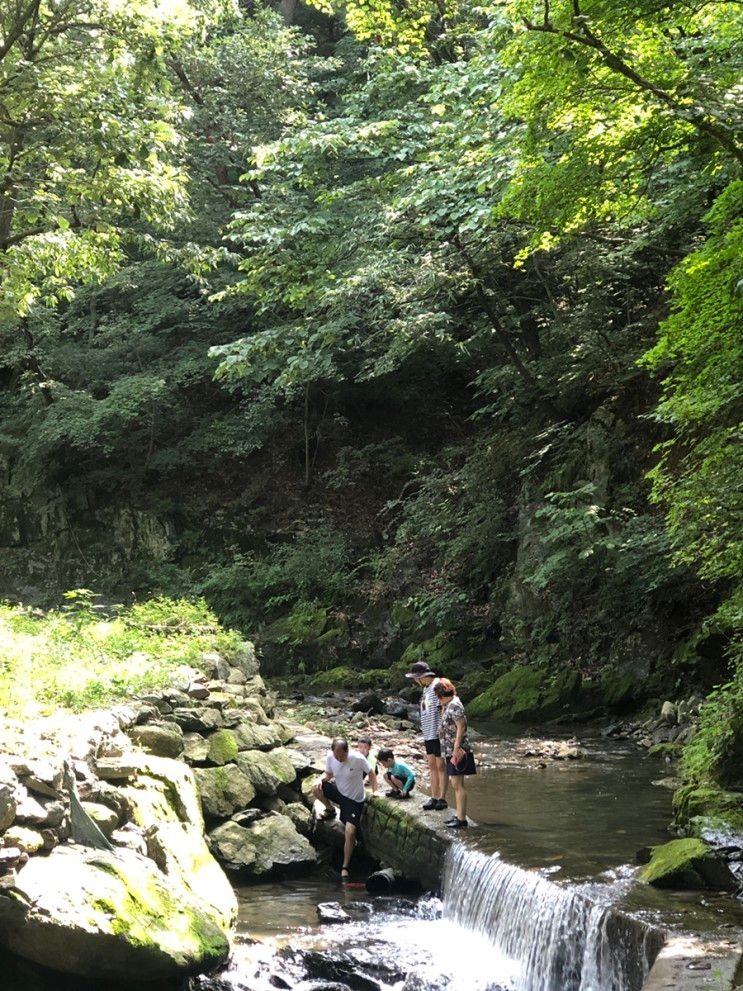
(503, 924)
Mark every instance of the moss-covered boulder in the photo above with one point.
(108, 916)
(687, 864)
(268, 845)
(223, 790)
(619, 688)
(710, 801)
(445, 654)
(528, 694)
(267, 771)
(343, 677)
(163, 740)
(222, 747)
(672, 751)
(164, 800)
(250, 736)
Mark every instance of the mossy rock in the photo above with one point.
(445, 655)
(708, 800)
(663, 750)
(687, 864)
(618, 689)
(305, 624)
(527, 694)
(344, 677)
(222, 747)
(474, 683)
(404, 617)
(109, 916)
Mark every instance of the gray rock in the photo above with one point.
(397, 709)
(197, 690)
(11, 857)
(8, 803)
(668, 714)
(369, 703)
(223, 790)
(266, 845)
(231, 717)
(115, 769)
(31, 811)
(215, 665)
(198, 720)
(105, 818)
(267, 770)
(161, 739)
(147, 712)
(332, 912)
(26, 839)
(246, 660)
(301, 816)
(249, 736)
(237, 677)
(195, 748)
(110, 916)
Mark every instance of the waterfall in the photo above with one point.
(557, 937)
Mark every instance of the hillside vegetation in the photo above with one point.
(391, 330)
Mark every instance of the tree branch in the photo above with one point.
(588, 39)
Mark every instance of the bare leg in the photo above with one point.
(443, 778)
(349, 841)
(433, 772)
(319, 794)
(460, 796)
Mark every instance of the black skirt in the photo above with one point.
(465, 766)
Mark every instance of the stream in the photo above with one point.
(526, 900)
(498, 927)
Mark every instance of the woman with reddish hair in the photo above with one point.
(455, 747)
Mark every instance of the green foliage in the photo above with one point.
(700, 473)
(715, 755)
(314, 566)
(79, 657)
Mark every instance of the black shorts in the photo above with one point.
(465, 766)
(433, 747)
(350, 810)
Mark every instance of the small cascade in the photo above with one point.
(557, 938)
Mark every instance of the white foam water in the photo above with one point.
(556, 938)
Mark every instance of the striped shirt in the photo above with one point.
(430, 712)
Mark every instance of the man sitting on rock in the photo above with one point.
(343, 783)
(398, 775)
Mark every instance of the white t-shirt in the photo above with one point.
(349, 774)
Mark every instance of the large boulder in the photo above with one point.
(223, 790)
(266, 845)
(526, 694)
(245, 659)
(250, 736)
(164, 802)
(222, 747)
(267, 771)
(108, 915)
(161, 739)
(687, 864)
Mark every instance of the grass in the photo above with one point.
(77, 658)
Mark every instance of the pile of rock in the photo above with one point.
(110, 823)
(105, 871)
(224, 726)
(664, 733)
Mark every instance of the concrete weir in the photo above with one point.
(416, 843)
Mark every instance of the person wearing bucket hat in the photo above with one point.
(430, 710)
